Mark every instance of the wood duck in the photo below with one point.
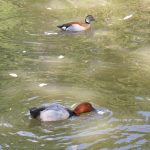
(77, 26)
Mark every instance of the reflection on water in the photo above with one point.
(108, 66)
(145, 114)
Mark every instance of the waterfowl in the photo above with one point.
(77, 26)
(54, 111)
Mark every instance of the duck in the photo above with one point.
(55, 111)
(77, 26)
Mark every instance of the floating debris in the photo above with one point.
(49, 8)
(42, 84)
(127, 17)
(61, 57)
(31, 140)
(50, 33)
(32, 98)
(23, 51)
(13, 75)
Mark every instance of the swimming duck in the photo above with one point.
(77, 26)
(54, 111)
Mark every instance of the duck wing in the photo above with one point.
(64, 26)
(54, 112)
(70, 25)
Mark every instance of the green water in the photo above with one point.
(108, 66)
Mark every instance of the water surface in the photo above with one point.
(108, 65)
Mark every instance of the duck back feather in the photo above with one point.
(50, 112)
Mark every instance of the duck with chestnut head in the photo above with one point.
(55, 112)
(77, 26)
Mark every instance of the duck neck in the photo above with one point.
(87, 22)
(71, 113)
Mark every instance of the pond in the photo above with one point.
(108, 66)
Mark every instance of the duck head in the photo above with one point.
(83, 108)
(89, 18)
